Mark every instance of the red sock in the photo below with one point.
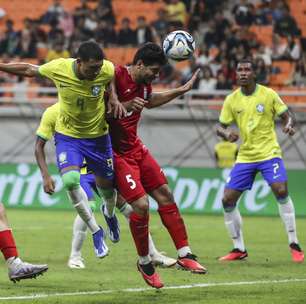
(172, 220)
(140, 232)
(7, 244)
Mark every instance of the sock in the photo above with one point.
(143, 260)
(79, 200)
(287, 213)
(182, 252)
(172, 220)
(233, 223)
(139, 229)
(152, 248)
(126, 210)
(110, 198)
(7, 244)
(78, 236)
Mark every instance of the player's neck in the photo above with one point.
(248, 89)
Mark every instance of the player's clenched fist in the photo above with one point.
(232, 135)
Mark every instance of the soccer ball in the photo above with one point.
(179, 45)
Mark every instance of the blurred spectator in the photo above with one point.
(39, 34)
(188, 72)
(292, 51)
(262, 72)
(58, 51)
(176, 13)
(223, 83)
(10, 42)
(106, 34)
(207, 82)
(265, 53)
(286, 25)
(54, 12)
(27, 40)
(66, 24)
(81, 11)
(203, 58)
(244, 13)
(221, 23)
(144, 32)
(196, 13)
(126, 36)
(278, 9)
(5, 77)
(81, 33)
(264, 13)
(278, 47)
(161, 24)
(298, 77)
(91, 22)
(210, 38)
(105, 12)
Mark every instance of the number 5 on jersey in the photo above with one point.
(130, 181)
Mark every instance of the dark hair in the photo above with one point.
(150, 53)
(90, 50)
(247, 60)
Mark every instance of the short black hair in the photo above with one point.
(247, 60)
(90, 50)
(150, 53)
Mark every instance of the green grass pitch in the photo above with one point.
(268, 276)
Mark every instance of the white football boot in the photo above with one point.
(76, 262)
(158, 259)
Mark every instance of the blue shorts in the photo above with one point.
(97, 152)
(88, 183)
(243, 174)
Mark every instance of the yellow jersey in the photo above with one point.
(47, 124)
(254, 115)
(82, 108)
(226, 153)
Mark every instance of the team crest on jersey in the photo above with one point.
(109, 162)
(260, 108)
(62, 158)
(95, 90)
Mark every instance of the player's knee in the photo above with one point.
(228, 204)
(71, 179)
(141, 206)
(282, 192)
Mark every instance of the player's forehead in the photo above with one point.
(92, 63)
(244, 66)
(153, 67)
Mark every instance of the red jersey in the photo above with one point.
(124, 131)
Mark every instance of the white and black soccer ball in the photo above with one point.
(179, 45)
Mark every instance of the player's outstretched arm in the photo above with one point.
(288, 123)
(227, 133)
(20, 69)
(48, 182)
(159, 99)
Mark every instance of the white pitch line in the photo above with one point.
(200, 285)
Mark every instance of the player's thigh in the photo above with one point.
(68, 155)
(152, 176)
(241, 177)
(99, 157)
(127, 180)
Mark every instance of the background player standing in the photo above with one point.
(137, 172)
(253, 108)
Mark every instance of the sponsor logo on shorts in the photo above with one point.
(260, 108)
(276, 176)
(62, 158)
(95, 90)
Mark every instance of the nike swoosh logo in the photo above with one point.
(276, 176)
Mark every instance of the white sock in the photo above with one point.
(287, 213)
(233, 223)
(78, 236)
(79, 200)
(126, 210)
(152, 248)
(110, 199)
(12, 262)
(183, 251)
(143, 260)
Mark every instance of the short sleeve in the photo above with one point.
(108, 70)
(48, 68)
(226, 117)
(279, 107)
(46, 127)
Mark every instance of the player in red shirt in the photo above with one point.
(137, 172)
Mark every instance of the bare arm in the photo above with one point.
(227, 133)
(20, 69)
(288, 123)
(159, 99)
(48, 183)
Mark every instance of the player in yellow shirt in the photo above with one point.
(81, 128)
(253, 108)
(44, 133)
